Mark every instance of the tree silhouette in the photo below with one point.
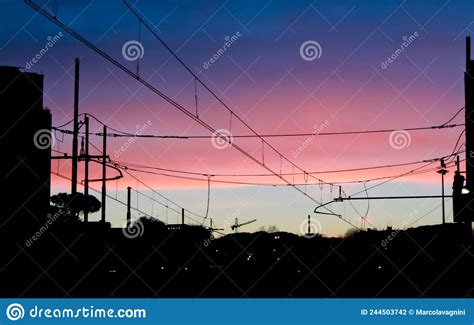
(270, 229)
(71, 205)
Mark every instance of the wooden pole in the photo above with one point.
(129, 202)
(75, 129)
(104, 172)
(86, 171)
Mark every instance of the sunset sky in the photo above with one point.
(265, 80)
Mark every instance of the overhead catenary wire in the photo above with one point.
(98, 191)
(282, 174)
(146, 84)
(412, 172)
(454, 116)
(287, 174)
(120, 134)
(133, 208)
(241, 150)
(163, 204)
(423, 216)
(457, 142)
(160, 194)
(196, 78)
(391, 177)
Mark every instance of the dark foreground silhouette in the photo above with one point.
(92, 260)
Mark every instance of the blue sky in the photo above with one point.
(264, 79)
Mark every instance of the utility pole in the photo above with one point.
(469, 116)
(129, 202)
(443, 171)
(86, 171)
(182, 216)
(104, 172)
(309, 224)
(75, 128)
(469, 127)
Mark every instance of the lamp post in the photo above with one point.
(443, 171)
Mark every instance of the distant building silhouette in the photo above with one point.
(25, 138)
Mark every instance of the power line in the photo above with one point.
(163, 204)
(454, 116)
(180, 107)
(128, 164)
(98, 191)
(418, 219)
(159, 194)
(133, 208)
(135, 76)
(457, 142)
(196, 78)
(412, 172)
(391, 177)
(121, 134)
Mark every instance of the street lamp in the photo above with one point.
(443, 171)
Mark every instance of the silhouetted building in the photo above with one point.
(25, 141)
(463, 194)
